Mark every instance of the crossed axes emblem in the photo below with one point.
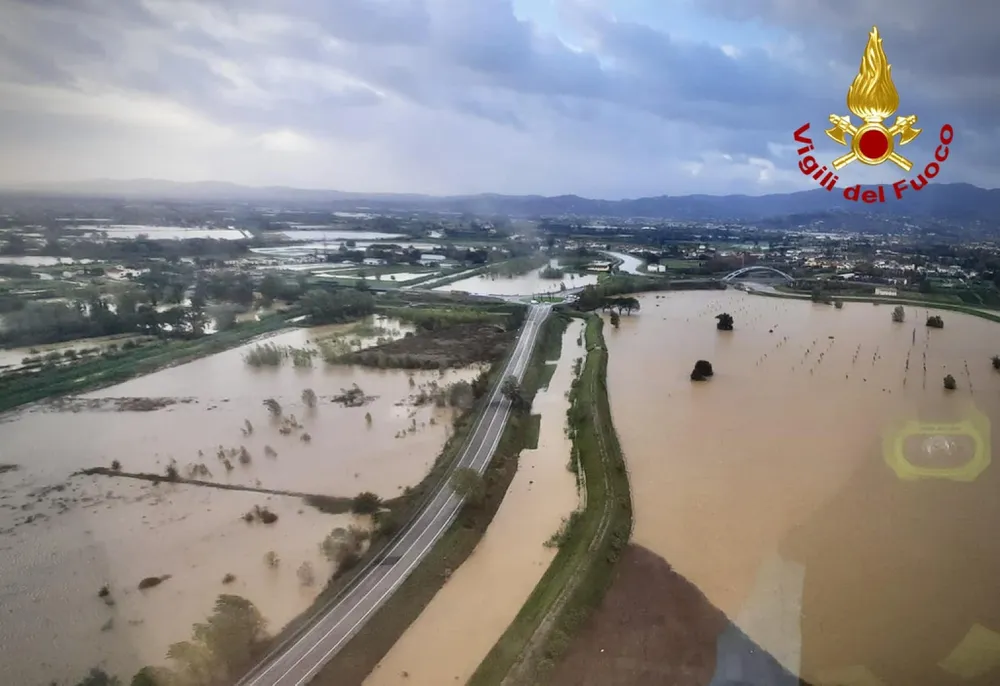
(843, 127)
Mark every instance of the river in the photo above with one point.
(776, 486)
(64, 537)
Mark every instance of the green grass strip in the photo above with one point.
(590, 544)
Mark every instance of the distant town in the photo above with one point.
(249, 441)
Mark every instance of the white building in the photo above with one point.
(431, 260)
(655, 268)
(890, 292)
(373, 262)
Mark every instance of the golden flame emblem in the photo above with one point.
(873, 98)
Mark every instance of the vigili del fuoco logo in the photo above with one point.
(873, 98)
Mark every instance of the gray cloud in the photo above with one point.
(411, 90)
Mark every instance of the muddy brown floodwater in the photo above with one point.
(448, 641)
(772, 489)
(63, 537)
(523, 284)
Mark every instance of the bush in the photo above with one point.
(949, 382)
(935, 322)
(266, 354)
(265, 515)
(388, 523)
(307, 577)
(365, 503)
(725, 322)
(702, 370)
(467, 483)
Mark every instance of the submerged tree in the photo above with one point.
(98, 677)
(626, 304)
(615, 319)
(223, 644)
(273, 406)
(949, 383)
(898, 314)
(702, 370)
(309, 397)
(343, 547)
(307, 577)
(996, 362)
(725, 322)
(154, 676)
(935, 322)
(365, 503)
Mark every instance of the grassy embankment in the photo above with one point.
(589, 545)
(357, 659)
(930, 304)
(970, 295)
(101, 371)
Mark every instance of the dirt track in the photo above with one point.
(653, 628)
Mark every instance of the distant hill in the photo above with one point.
(956, 201)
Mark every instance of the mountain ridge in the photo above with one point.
(954, 201)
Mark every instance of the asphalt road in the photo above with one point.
(300, 659)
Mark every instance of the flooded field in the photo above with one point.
(318, 234)
(791, 490)
(166, 232)
(526, 284)
(447, 642)
(39, 260)
(14, 357)
(401, 277)
(318, 246)
(56, 627)
(65, 536)
(216, 396)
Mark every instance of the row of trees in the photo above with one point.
(54, 322)
(627, 304)
(139, 311)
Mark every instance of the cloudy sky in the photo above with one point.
(603, 98)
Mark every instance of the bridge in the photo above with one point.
(755, 268)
